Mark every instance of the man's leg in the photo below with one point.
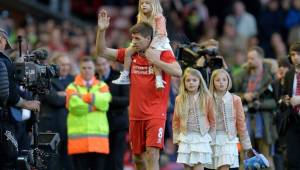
(152, 158)
(155, 132)
(292, 143)
(264, 148)
(117, 145)
(139, 162)
(80, 161)
(137, 142)
(97, 161)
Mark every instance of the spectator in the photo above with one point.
(230, 40)
(53, 111)
(245, 22)
(268, 26)
(251, 84)
(87, 101)
(291, 96)
(117, 114)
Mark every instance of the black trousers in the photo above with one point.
(292, 144)
(89, 161)
(117, 147)
(8, 146)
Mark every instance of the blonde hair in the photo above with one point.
(214, 75)
(204, 93)
(156, 10)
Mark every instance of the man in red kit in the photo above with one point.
(148, 106)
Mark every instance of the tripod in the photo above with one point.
(44, 145)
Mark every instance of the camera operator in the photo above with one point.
(8, 144)
(209, 59)
(4, 84)
(53, 116)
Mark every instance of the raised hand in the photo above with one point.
(103, 20)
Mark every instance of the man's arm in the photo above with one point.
(101, 48)
(173, 68)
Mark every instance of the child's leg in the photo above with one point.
(159, 82)
(127, 62)
(124, 76)
(224, 167)
(187, 167)
(198, 167)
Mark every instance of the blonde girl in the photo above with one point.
(193, 121)
(230, 121)
(149, 11)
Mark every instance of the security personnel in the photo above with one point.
(88, 101)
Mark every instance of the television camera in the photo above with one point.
(188, 54)
(34, 75)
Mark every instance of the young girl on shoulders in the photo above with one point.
(149, 11)
(193, 121)
(230, 121)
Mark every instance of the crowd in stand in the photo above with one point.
(274, 26)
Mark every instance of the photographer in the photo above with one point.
(117, 114)
(210, 59)
(252, 85)
(53, 113)
(203, 57)
(8, 144)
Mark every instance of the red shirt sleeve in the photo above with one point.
(167, 56)
(121, 55)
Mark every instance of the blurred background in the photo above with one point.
(69, 27)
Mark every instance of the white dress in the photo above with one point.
(194, 148)
(225, 151)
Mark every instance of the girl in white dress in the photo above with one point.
(230, 121)
(193, 121)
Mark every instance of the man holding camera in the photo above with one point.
(209, 59)
(8, 143)
(252, 85)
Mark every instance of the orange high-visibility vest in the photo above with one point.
(87, 122)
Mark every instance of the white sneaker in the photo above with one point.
(159, 83)
(123, 79)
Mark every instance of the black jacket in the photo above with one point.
(288, 88)
(14, 95)
(53, 107)
(118, 109)
(4, 84)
